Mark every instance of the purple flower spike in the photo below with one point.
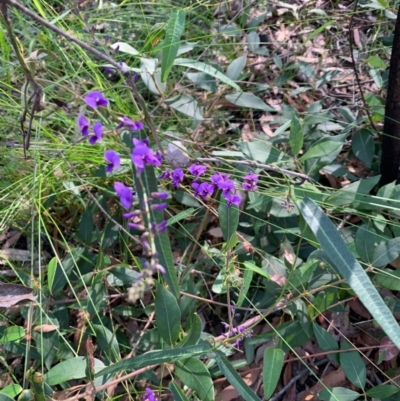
(232, 199)
(125, 194)
(249, 186)
(97, 133)
(130, 124)
(95, 99)
(113, 160)
(250, 181)
(149, 396)
(217, 177)
(177, 177)
(205, 189)
(160, 227)
(130, 215)
(197, 169)
(83, 124)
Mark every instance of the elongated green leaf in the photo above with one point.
(12, 333)
(176, 392)
(248, 100)
(247, 278)
(155, 358)
(168, 315)
(51, 272)
(338, 394)
(338, 256)
(107, 342)
(208, 69)
(194, 332)
(252, 267)
(272, 368)
(12, 390)
(236, 67)
(383, 391)
(353, 365)
(187, 105)
(173, 32)
(296, 136)
(325, 341)
(321, 149)
(73, 368)
(196, 376)
(181, 216)
(228, 219)
(233, 378)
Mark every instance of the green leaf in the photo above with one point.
(194, 333)
(51, 273)
(338, 394)
(156, 358)
(353, 365)
(208, 69)
(382, 391)
(389, 279)
(228, 218)
(85, 232)
(73, 368)
(338, 256)
(12, 390)
(322, 148)
(181, 216)
(319, 30)
(296, 136)
(272, 368)
(386, 252)
(252, 267)
(247, 279)
(187, 105)
(326, 342)
(176, 392)
(234, 378)
(173, 32)
(5, 397)
(236, 67)
(107, 342)
(262, 152)
(168, 315)
(363, 146)
(365, 241)
(376, 61)
(13, 333)
(196, 376)
(248, 100)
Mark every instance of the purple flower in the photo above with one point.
(95, 99)
(204, 189)
(160, 195)
(125, 194)
(177, 177)
(139, 227)
(217, 177)
(130, 124)
(97, 133)
(227, 186)
(160, 227)
(159, 206)
(251, 177)
(113, 160)
(130, 215)
(232, 199)
(166, 174)
(83, 124)
(142, 155)
(197, 169)
(250, 181)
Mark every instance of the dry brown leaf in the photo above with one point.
(46, 328)
(11, 294)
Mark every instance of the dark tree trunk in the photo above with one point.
(390, 158)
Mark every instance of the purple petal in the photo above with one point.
(232, 199)
(125, 194)
(113, 160)
(95, 99)
(83, 124)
